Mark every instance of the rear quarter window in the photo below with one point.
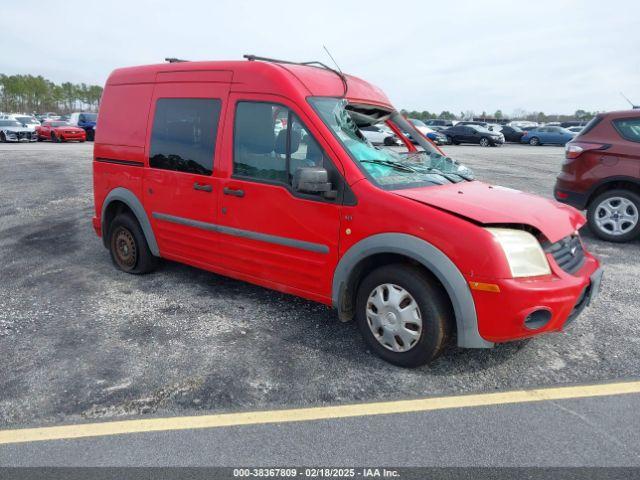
(591, 125)
(628, 128)
(184, 134)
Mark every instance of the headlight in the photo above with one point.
(523, 251)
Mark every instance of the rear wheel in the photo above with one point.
(615, 215)
(535, 141)
(128, 246)
(404, 317)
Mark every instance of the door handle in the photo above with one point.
(233, 192)
(204, 187)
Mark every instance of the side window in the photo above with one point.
(184, 134)
(305, 151)
(271, 143)
(628, 128)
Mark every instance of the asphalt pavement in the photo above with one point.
(81, 341)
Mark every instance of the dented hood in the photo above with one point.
(491, 204)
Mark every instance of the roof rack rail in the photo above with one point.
(312, 63)
(174, 60)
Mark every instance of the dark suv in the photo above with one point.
(601, 173)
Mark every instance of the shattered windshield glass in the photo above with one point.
(389, 169)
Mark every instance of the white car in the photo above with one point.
(12, 131)
(25, 120)
(380, 135)
(576, 129)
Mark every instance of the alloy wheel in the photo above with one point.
(394, 317)
(616, 216)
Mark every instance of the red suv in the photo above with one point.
(258, 170)
(601, 173)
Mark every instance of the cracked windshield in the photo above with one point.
(388, 165)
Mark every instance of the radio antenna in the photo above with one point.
(630, 102)
(342, 76)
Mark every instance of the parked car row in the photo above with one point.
(446, 132)
(17, 127)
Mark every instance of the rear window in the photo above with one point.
(628, 128)
(87, 117)
(184, 134)
(591, 125)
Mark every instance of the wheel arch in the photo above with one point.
(389, 246)
(612, 183)
(121, 199)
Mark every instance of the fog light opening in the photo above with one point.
(537, 319)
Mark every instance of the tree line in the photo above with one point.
(36, 94)
(519, 114)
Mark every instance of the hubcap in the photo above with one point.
(484, 142)
(124, 247)
(616, 216)
(394, 317)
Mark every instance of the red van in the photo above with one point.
(258, 170)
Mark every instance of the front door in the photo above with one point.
(270, 232)
(180, 185)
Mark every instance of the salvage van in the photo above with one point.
(258, 170)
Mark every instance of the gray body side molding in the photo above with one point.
(129, 198)
(434, 260)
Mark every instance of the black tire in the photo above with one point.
(128, 246)
(484, 142)
(54, 138)
(535, 141)
(3, 137)
(594, 210)
(449, 140)
(389, 141)
(435, 312)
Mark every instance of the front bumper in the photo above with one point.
(69, 137)
(559, 297)
(23, 139)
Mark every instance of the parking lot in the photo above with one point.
(82, 340)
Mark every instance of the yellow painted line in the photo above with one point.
(66, 432)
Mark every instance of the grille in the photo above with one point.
(567, 253)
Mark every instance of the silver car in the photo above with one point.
(12, 131)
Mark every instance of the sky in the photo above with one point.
(482, 55)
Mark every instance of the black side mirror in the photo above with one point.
(313, 180)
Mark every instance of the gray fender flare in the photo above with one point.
(129, 199)
(434, 260)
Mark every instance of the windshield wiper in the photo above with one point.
(395, 165)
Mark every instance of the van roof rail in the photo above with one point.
(174, 60)
(312, 63)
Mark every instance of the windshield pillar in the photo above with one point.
(410, 146)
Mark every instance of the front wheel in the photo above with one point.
(615, 215)
(404, 317)
(54, 138)
(535, 141)
(485, 142)
(128, 246)
(3, 137)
